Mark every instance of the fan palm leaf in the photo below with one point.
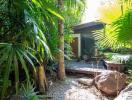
(118, 31)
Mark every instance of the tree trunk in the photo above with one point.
(42, 82)
(61, 69)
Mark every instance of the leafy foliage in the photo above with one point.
(22, 28)
(28, 92)
(25, 27)
(118, 33)
(72, 15)
(128, 69)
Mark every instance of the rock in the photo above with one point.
(110, 82)
(85, 81)
(125, 94)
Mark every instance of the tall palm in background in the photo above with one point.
(66, 6)
(61, 71)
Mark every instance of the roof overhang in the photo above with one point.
(88, 26)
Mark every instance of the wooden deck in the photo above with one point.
(84, 68)
(88, 71)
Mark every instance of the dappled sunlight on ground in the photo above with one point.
(70, 89)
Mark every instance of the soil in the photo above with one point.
(71, 89)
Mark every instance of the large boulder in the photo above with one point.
(110, 82)
(125, 94)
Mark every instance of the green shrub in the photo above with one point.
(128, 69)
(108, 56)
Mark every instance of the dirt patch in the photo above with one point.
(71, 89)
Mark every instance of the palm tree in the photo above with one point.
(78, 6)
(61, 71)
(24, 29)
(119, 28)
(22, 37)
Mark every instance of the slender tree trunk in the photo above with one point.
(61, 70)
(42, 82)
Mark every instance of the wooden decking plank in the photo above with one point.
(89, 71)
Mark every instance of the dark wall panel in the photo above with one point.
(87, 45)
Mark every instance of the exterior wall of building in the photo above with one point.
(87, 41)
(87, 44)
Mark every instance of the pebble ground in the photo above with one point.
(70, 89)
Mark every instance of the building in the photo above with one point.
(84, 41)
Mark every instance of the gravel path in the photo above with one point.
(70, 89)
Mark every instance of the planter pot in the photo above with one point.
(115, 66)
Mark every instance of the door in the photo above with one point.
(74, 46)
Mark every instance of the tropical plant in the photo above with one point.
(25, 27)
(128, 69)
(22, 28)
(72, 17)
(27, 92)
(118, 34)
(64, 9)
(119, 28)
